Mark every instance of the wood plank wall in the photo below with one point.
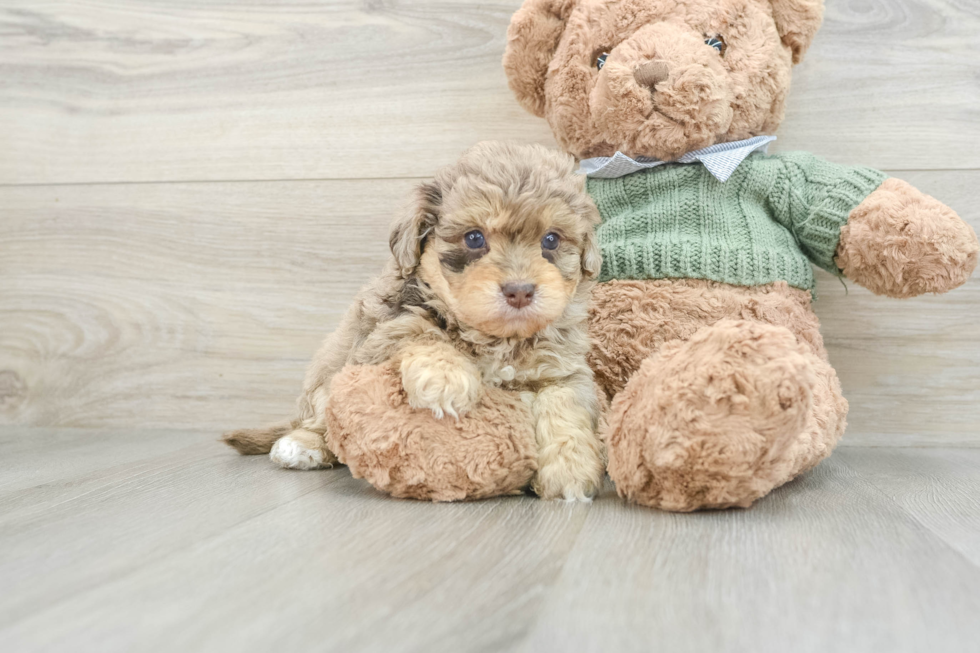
(192, 191)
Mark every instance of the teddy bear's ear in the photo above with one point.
(797, 22)
(531, 41)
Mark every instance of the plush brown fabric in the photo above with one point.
(411, 454)
(721, 392)
(707, 97)
(630, 320)
(901, 243)
(722, 419)
(797, 22)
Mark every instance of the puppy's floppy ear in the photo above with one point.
(531, 41)
(797, 22)
(591, 256)
(409, 230)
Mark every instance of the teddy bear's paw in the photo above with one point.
(900, 242)
(301, 449)
(437, 378)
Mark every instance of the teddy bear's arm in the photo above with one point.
(813, 198)
(901, 242)
(878, 231)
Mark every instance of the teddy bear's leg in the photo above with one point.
(722, 418)
(410, 453)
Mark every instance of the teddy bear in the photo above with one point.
(704, 335)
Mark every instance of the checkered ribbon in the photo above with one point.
(720, 160)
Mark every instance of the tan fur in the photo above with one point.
(412, 454)
(437, 377)
(707, 98)
(565, 416)
(438, 315)
(901, 243)
(719, 393)
(631, 320)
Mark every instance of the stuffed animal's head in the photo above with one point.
(657, 78)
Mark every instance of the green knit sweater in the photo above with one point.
(760, 226)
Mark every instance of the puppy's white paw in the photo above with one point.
(565, 480)
(439, 379)
(292, 454)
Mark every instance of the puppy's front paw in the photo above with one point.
(570, 460)
(439, 379)
(568, 479)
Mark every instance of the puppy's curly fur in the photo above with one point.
(440, 313)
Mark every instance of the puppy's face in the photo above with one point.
(507, 257)
(505, 268)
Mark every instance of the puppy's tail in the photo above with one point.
(251, 442)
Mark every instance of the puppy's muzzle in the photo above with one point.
(518, 295)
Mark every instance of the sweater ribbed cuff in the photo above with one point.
(821, 233)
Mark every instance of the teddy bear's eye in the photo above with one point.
(717, 43)
(600, 61)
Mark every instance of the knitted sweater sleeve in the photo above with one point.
(813, 199)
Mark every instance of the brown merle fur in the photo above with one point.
(437, 310)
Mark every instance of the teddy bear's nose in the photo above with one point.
(652, 73)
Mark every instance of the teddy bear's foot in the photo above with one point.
(722, 419)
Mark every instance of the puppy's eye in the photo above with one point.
(600, 60)
(550, 240)
(717, 42)
(474, 239)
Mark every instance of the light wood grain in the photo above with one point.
(826, 563)
(212, 551)
(114, 90)
(199, 306)
(128, 310)
(194, 548)
(177, 304)
(939, 487)
(102, 521)
(27, 463)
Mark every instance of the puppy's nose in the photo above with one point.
(518, 295)
(652, 73)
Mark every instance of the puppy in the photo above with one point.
(488, 284)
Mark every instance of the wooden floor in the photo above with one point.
(170, 542)
(191, 192)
